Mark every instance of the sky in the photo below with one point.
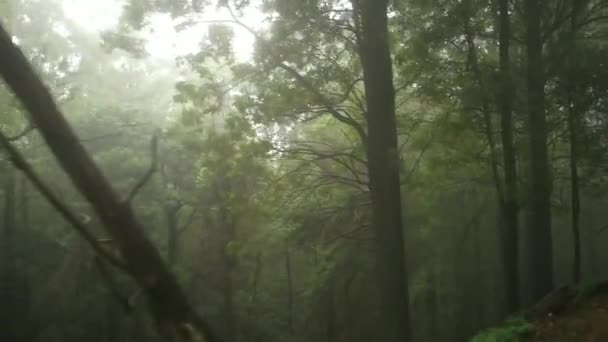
(163, 41)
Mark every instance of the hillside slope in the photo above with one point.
(566, 315)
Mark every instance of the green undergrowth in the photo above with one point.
(589, 288)
(513, 330)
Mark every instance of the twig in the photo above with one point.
(419, 158)
(80, 226)
(150, 172)
(188, 222)
(348, 234)
(30, 127)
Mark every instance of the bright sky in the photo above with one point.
(163, 41)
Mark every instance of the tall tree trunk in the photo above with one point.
(8, 269)
(14, 285)
(573, 127)
(252, 311)
(171, 213)
(171, 207)
(24, 203)
(168, 304)
(431, 303)
(507, 194)
(289, 288)
(254, 287)
(473, 61)
(540, 249)
(575, 193)
(24, 283)
(227, 234)
(510, 226)
(479, 280)
(330, 316)
(383, 165)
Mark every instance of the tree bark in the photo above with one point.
(540, 249)
(173, 314)
(383, 165)
(510, 234)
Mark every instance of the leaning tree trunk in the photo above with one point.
(540, 250)
(174, 316)
(383, 165)
(510, 234)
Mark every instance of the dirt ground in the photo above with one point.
(584, 320)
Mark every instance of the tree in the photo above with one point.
(383, 166)
(573, 132)
(538, 229)
(11, 291)
(510, 210)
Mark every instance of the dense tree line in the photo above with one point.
(401, 170)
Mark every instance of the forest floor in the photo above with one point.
(583, 320)
(566, 315)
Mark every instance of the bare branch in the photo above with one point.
(418, 159)
(150, 172)
(348, 234)
(305, 82)
(349, 90)
(30, 127)
(188, 222)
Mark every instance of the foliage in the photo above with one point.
(513, 330)
(589, 288)
(261, 202)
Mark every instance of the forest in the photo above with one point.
(303, 170)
